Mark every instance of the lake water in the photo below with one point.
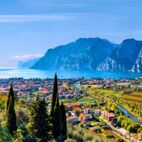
(30, 73)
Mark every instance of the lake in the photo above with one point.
(30, 73)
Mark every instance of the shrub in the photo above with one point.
(22, 116)
(110, 136)
(5, 136)
(87, 137)
(97, 129)
(81, 132)
(23, 129)
(70, 134)
(18, 136)
(69, 140)
(120, 140)
(77, 137)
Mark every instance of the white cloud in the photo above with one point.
(26, 57)
(35, 17)
(12, 61)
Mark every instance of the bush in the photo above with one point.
(23, 129)
(127, 92)
(110, 136)
(97, 129)
(22, 116)
(69, 133)
(98, 139)
(87, 137)
(69, 140)
(77, 137)
(29, 139)
(5, 136)
(120, 140)
(81, 132)
(18, 136)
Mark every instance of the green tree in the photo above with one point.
(10, 95)
(56, 113)
(56, 122)
(5, 136)
(11, 115)
(54, 95)
(63, 120)
(39, 122)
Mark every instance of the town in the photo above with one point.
(102, 107)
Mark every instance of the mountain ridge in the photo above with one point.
(93, 54)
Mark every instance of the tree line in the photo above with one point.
(44, 125)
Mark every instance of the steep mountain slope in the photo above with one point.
(90, 54)
(137, 67)
(83, 54)
(126, 57)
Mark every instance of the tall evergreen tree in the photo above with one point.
(56, 113)
(54, 95)
(39, 122)
(11, 115)
(10, 94)
(63, 121)
(57, 126)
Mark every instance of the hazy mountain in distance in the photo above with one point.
(28, 63)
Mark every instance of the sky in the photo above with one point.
(29, 27)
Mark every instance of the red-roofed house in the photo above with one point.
(108, 116)
(73, 119)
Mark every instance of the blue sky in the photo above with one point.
(29, 27)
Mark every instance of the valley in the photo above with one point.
(92, 106)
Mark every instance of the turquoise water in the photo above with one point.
(29, 73)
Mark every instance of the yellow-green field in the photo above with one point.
(105, 92)
(135, 97)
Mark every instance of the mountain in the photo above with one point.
(91, 54)
(137, 67)
(28, 63)
(126, 57)
(83, 54)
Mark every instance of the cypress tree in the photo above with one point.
(56, 124)
(10, 93)
(63, 121)
(56, 113)
(54, 95)
(11, 115)
(39, 122)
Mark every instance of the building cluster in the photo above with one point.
(114, 84)
(68, 88)
(83, 114)
(71, 89)
(29, 88)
